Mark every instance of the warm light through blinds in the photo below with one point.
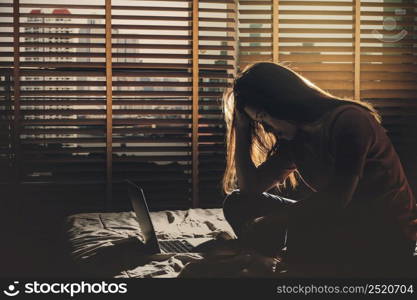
(55, 115)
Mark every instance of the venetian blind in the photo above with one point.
(138, 95)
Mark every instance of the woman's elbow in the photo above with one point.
(251, 190)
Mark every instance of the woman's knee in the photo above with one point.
(230, 202)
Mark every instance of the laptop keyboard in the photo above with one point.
(175, 246)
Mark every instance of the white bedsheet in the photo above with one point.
(107, 244)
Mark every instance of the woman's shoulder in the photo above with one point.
(350, 110)
(340, 116)
(342, 121)
(348, 116)
(351, 121)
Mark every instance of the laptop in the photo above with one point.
(152, 244)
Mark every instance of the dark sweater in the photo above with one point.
(350, 140)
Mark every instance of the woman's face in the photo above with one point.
(280, 128)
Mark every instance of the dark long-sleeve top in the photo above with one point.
(349, 140)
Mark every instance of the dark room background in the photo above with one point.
(96, 92)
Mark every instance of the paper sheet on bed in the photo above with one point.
(106, 244)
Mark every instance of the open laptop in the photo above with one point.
(140, 207)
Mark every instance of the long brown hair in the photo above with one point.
(285, 95)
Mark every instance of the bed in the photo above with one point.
(107, 244)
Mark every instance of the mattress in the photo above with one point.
(108, 244)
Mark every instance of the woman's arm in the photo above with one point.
(254, 180)
(351, 138)
(245, 168)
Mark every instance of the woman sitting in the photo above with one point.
(361, 216)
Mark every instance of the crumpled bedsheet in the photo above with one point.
(107, 244)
